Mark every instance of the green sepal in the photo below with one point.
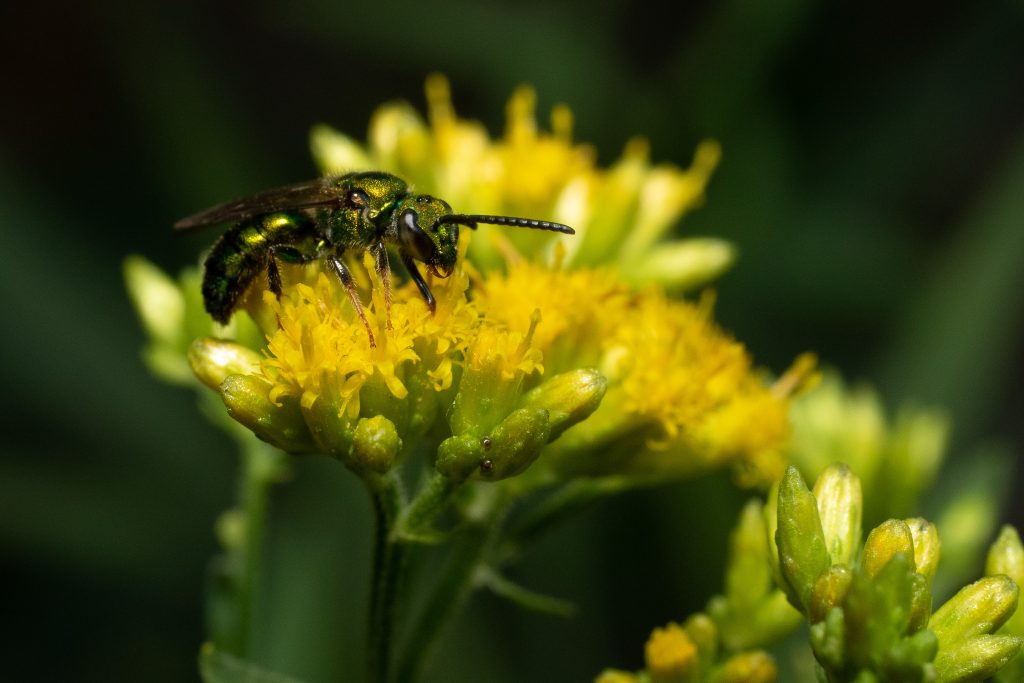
(247, 400)
(803, 555)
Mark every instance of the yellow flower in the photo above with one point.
(621, 214)
(670, 654)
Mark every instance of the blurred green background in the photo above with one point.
(872, 179)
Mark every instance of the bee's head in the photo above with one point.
(423, 234)
(429, 231)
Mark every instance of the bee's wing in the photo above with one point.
(305, 195)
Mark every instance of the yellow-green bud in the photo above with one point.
(885, 541)
(926, 547)
(508, 450)
(212, 360)
(748, 575)
(840, 506)
(671, 655)
(976, 659)
(704, 634)
(977, 609)
(569, 398)
(247, 400)
(746, 667)
(375, 445)
(829, 591)
(1006, 556)
(802, 552)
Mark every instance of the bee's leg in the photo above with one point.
(414, 273)
(341, 270)
(288, 254)
(380, 262)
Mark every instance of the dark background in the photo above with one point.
(872, 179)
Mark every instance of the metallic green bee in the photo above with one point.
(323, 219)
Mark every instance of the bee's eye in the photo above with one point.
(412, 237)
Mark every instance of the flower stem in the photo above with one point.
(388, 565)
(457, 581)
(261, 467)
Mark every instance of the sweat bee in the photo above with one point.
(324, 219)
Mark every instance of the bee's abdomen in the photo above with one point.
(240, 256)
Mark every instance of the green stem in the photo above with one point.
(388, 565)
(454, 587)
(261, 467)
(423, 510)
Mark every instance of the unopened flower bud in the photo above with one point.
(976, 659)
(507, 450)
(802, 551)
(746, 667)
(885, 541)
(671, 655)
(977, 609)
(247, 400)
(375, 445)
(926, 547)
(840, 507)
(569, 398)
(212, 360)
(829, 591)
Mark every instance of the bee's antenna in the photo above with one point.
(471, 221)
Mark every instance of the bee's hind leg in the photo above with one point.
(288, 254)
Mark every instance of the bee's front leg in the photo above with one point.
(414, 273)
(335, 263)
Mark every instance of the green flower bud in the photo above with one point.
(507, 451)
(748, 577)
(212, 360)
(888, 539)
(920, 603)
(247, 400)
(746, 667)
(976, 659)
(978, 609)
(1006, 556)
(829, 591)
(840, 507)
(926, 547)
(828, 639)
(375, 445)
(704, 634)
(569, 398)
(803, 555)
